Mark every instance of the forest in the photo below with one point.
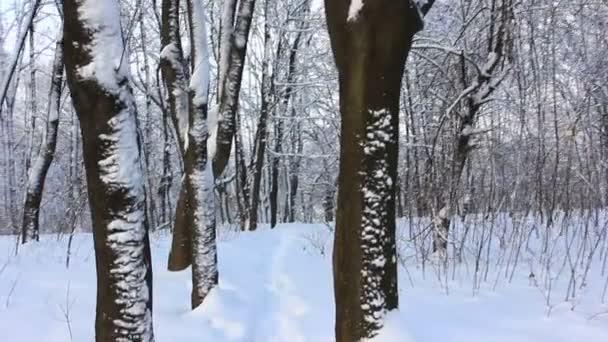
(304, 170)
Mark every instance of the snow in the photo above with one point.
(204, 234)
(276, 286)
(170, 53)
(466, 130)
(421, 3)
(354, 9)
(119, 167)
(108, 65)
(212, 127)
(227, 22)
(199, 82)
(377, 187)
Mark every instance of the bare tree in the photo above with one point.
(199, 176)
(174, 76)
(22, 34)
(98, 78)
(31, 212)
(475, 94)
(223, 135)
(370, 42)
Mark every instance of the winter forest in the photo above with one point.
(304, 170)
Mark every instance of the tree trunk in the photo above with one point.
(166, 182)
(33, 110)
(478, 93)
(15, 59)
(151, 209)
(242, 181)
(231, 86)
(370, 46)
(294, 170)
(37, 176)
(226, 28)
(197, 166)
(172, 68)
(98, 79)
(274, 170)
(261, 132)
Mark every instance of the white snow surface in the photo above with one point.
(276, 286)
(108, 65)
(354, 9)
(199, 82)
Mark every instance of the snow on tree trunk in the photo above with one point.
(37, 175)
(279, 124)
(173, 72)
(261, 134)
(231, 86)
(226, 30)
(242, 181)
(491, 74)
(97, 72)
(274, 169)
(370, 52)
(199, 177)
(10, 71)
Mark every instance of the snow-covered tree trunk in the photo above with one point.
(147, 129)
(37, 175)
(231, 86)
(294, 169)
(223, 136)
(261, 134)
(370, 41)
(12, 68)
(286, 96)
(491, 74)
(167, 176)
(173, 72)
(97, 72)
(226, 29)
(199, 177)
(32, 94)
(274, 170)
(242, 177)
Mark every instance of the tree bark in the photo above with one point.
(261, 134)
(370, 47)
(242, 179)
(37, 176)
(274, 169)
(6, 81)
(294, 170)
(172, 68)
(198, 173)
(151, 209)
(98, 78)
(231, 86)
(478, 93)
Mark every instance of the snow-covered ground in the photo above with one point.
(276, 285)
